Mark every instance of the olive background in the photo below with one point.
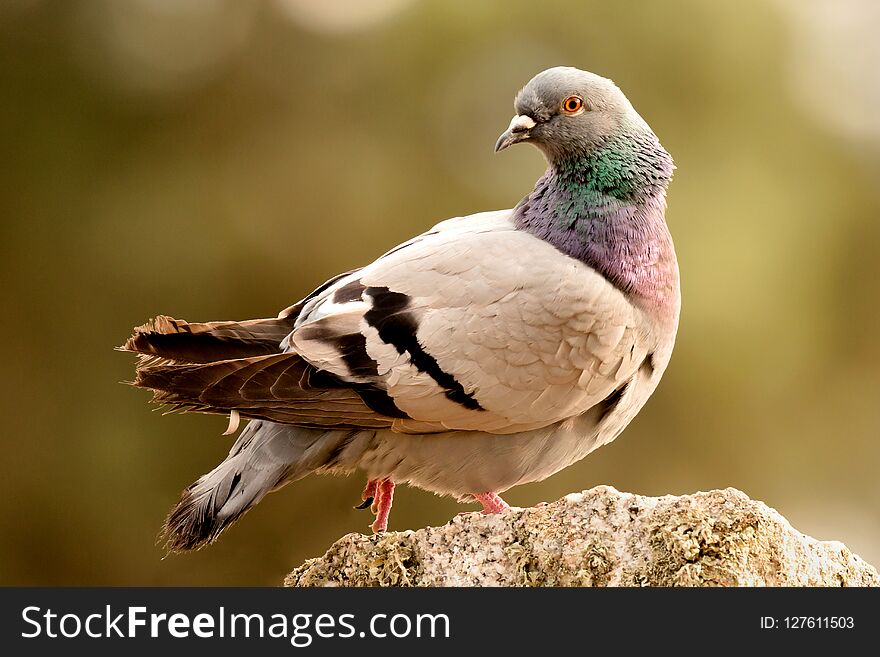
(218, 159)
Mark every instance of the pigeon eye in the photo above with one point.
(572, 105)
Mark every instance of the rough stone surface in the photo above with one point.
(600, 537)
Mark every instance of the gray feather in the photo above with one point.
(265, 457)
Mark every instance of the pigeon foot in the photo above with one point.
(492, 503)
(384, 496)
(369, 495)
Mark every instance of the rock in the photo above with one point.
(600, 537)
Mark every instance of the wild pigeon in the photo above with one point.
(492, 350)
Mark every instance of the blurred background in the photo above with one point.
(218, 159)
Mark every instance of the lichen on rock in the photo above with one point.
(600, 537)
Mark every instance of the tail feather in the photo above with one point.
(277, 387)
(172, 340)
(179, 341)
(265, 457)
(227, 383)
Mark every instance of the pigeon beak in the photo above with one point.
(517, 131)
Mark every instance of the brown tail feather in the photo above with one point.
(277, 387)
(227, 384)
(168, 340)
(179, 341)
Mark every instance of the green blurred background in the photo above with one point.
(215, 159)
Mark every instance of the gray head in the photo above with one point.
(567, 112)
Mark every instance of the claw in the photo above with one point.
(234, 419)
(369, 495)
(368, 501)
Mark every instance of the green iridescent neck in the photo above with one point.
(606, 209)
(631, 168)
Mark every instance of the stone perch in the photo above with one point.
(600, 537)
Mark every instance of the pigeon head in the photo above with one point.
(566, 113)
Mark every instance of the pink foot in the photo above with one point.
(369, 495)
(384, 498)
(491, 502)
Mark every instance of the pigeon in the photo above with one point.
(493, 350)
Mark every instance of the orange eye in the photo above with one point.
(572, 105)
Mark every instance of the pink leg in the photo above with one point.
(491, 502)
(384, 498)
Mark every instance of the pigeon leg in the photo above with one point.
(384, 498)
(492, 503)
(369, 495)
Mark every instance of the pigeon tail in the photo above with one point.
(280, 387)
(165, 340)
(265, 457)
(169, 340)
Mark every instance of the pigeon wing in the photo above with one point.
(475, 325)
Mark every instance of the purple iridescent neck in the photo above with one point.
(606, 208)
